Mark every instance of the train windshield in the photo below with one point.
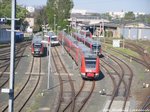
(90, 62)
(88, 34)
(53, 39)
(96, 47)
(37, 45)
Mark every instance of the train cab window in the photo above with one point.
(53, 39)
(88, 34)
(90, 63)
(37, 45)
(95, 47)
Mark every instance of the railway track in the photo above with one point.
(127, 83)
(75, 104)
(111, 76)
(130, 57)
(142, 52)
(4, 75)
(24, 94)
(144, 61)
(60, 68)
(5, 52)
(146, 105)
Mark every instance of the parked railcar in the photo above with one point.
(78, 37)
(37, 47)
(53, 38)
(87, 61)
(86, 33)
(94, 45)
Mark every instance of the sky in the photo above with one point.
(101, 6)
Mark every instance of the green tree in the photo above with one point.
(5, 8)
(60, 9)
(129, 16)
(5, 11)
(40, 18)
(144, 18)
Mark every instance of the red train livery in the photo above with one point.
(88, 62)
(94, 45)
(86, 33)
(37, 47)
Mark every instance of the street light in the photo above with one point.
(57, 29)
(63, 40)
(68, 28)
(54, 21)
(10, 90)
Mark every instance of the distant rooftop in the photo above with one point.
(83, 12)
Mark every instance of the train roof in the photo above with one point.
(79, 35)
(72, 39)
(51, 34)
(83, 47)
(86, 50)
(93, 42)
(37, 39)
(88, 39)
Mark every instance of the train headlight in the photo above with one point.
(96, 74)
(89, 70)
(82, 73)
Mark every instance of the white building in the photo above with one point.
(117, 14)
(122, 14)
(30, 9)
(83, 12)
(31, 24)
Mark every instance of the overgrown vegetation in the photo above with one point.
(5, 11)
(58, 11)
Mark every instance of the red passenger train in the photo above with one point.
(37, 47)
(86, 33)
(88, 62)
(94, 45)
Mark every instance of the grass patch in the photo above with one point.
(125, 50)
(128, 51)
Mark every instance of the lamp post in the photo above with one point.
(122, 26)
(54, 22)
(63, 40)
(67, 28)
(12, 59)
(49, 67)
(57, 29)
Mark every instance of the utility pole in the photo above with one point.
(123, 43)
(63, 40)
(10, 90)
(49, 64)
(54, 22)
(12, 58)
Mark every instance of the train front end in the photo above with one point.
(90, 68)
(37, 49)
(96, 48)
